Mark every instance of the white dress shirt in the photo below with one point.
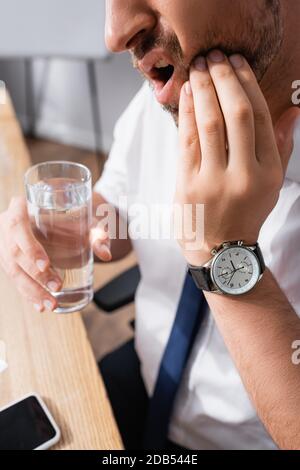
(212, 409)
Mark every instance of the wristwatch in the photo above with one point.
(234, 269)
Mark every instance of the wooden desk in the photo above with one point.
(47, 353)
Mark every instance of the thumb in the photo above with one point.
(101, 244)
(284, 134)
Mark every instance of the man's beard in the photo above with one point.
(258, 39)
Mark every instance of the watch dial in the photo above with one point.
(235, 270)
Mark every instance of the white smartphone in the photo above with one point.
(27, 424)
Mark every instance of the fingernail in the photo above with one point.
(236, 61)
(200, 64)
(53, 286)
(105, 251)
(41, 264)
(48, 305)
(216, 56)
(100, 246)
(187, 88)
(37, 307)
(97, 245)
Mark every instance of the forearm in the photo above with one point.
(119, 247)
(259, 329)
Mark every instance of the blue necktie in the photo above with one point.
(189, 317)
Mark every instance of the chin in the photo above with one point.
(171, 108)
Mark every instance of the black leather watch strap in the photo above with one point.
(257, 251)
(202, 278)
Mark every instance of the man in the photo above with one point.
(238, 387)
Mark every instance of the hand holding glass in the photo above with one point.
(59, 200)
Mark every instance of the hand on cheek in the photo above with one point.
(230, 158)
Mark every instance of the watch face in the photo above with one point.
(235, 270)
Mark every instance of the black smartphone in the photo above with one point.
(27, 424)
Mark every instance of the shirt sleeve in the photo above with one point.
(283, 252)
(113, 183)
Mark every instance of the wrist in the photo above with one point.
(197, 259)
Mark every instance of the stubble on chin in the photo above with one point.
(259, 40)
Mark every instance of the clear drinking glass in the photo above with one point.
(59, 200)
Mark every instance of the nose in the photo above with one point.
(126, 21)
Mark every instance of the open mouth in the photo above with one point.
(160, 71)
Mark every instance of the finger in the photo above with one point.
(236, 108)
(32, 249)
(19, 225)
(102, 251)
(48, 278)
(30, 289)
(189, 145)
(209, 118)
(98, 233)
(284, 134)
(265, 147)
(100, 242)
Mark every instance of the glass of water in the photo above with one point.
(59, 200)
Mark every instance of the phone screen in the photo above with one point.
(25, 426)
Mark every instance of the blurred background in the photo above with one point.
(54, 62)
(68, 91)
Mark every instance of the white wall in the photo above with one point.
(52, 28)
(66, 113)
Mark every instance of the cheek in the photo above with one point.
(187, 19)
(195, 21)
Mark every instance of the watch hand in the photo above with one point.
(226, 273)
(242, 267)
(223, 275)
(231, 278)
(233, 265)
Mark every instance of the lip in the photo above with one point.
(163, 91)
(150, 59)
